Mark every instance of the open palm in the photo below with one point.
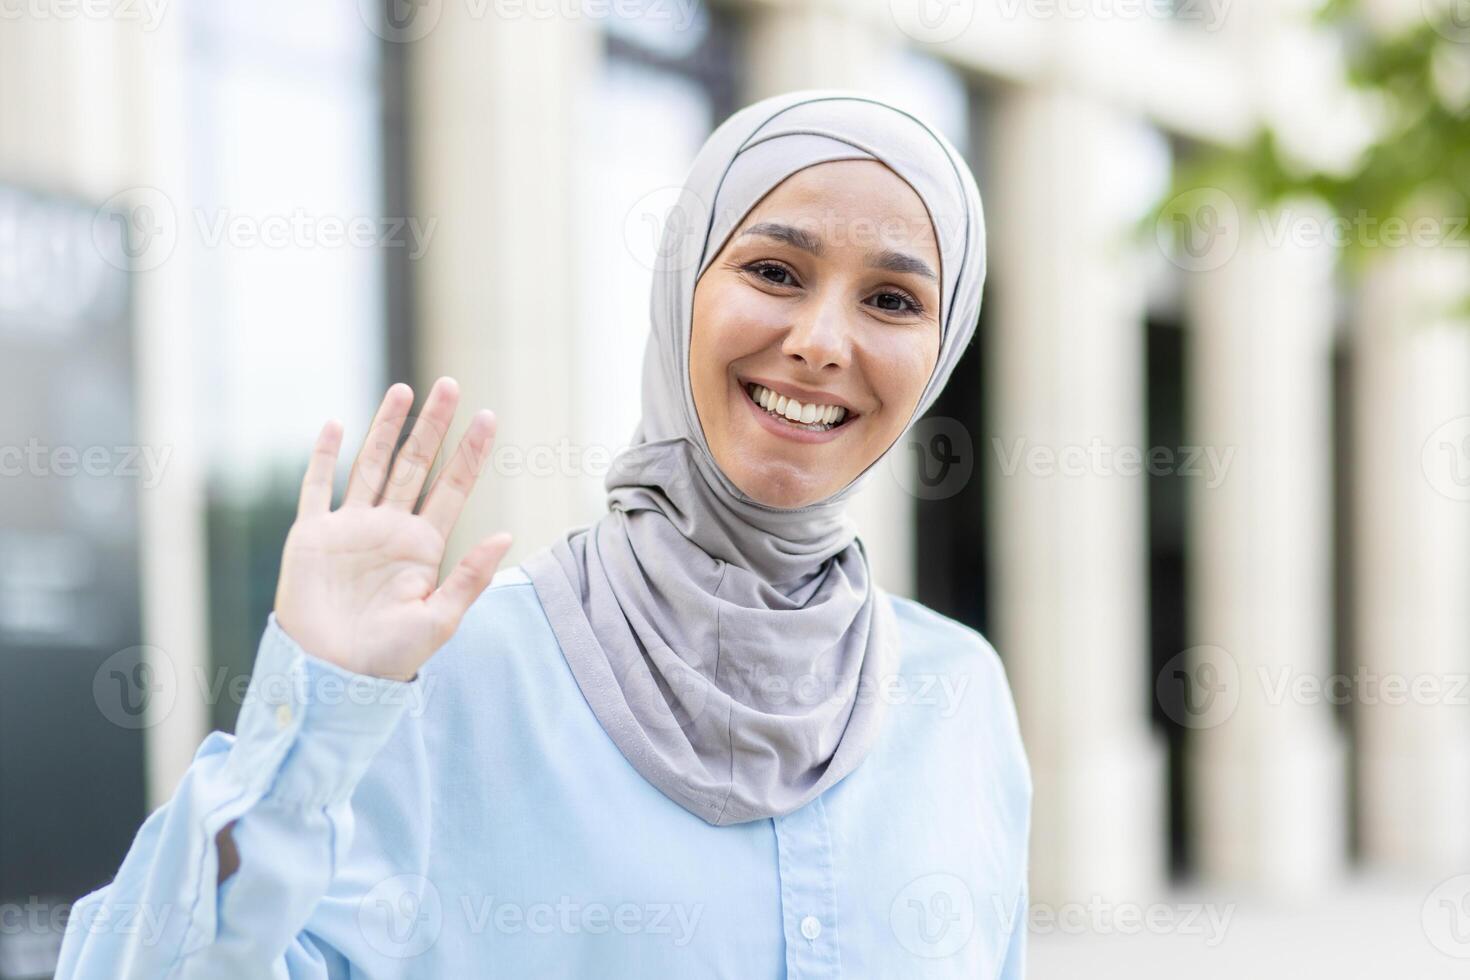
(360, 584)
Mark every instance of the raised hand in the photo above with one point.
(360, 584)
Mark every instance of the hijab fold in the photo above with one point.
(735, 652)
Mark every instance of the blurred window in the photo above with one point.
(951, 532)
(293, 254)
(72, 710)
(664, 84)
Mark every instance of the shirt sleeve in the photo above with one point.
(307, 732)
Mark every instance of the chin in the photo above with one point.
(780, 486)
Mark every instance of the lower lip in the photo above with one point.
(786, 431)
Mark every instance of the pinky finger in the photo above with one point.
(458, 592)
(316, 486)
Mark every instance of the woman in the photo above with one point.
(693, 739)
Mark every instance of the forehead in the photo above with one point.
(858, 203)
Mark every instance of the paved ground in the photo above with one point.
(1365, 930)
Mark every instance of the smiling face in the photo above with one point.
(823, 306)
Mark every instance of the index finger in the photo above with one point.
(316, 486)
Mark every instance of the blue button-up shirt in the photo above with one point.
(478, 822)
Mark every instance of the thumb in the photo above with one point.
(463, 586)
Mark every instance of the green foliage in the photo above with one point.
(1420, 77)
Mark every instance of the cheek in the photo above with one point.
(722, 333)
(899, 366)
(732, 321)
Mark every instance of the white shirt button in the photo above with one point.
(283, 715)
(810, 927)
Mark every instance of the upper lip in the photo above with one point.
(804, 395)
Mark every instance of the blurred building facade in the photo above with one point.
(1188, 498)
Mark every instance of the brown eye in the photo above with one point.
(764, 270)
(906, 304)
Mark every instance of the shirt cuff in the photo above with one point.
(308, 729)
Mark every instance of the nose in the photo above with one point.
(819, 338)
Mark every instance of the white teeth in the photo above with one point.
(795, 411)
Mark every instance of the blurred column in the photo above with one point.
(1266, 776)
(93, 108)
(803, 45)
(1064, 376)
(1411, 420)
(817, 46)
(491, 119)
(151, 129)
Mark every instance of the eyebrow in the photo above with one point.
(887, 259)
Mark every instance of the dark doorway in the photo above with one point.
(1166, 359)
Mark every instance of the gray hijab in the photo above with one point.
(734, 652)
